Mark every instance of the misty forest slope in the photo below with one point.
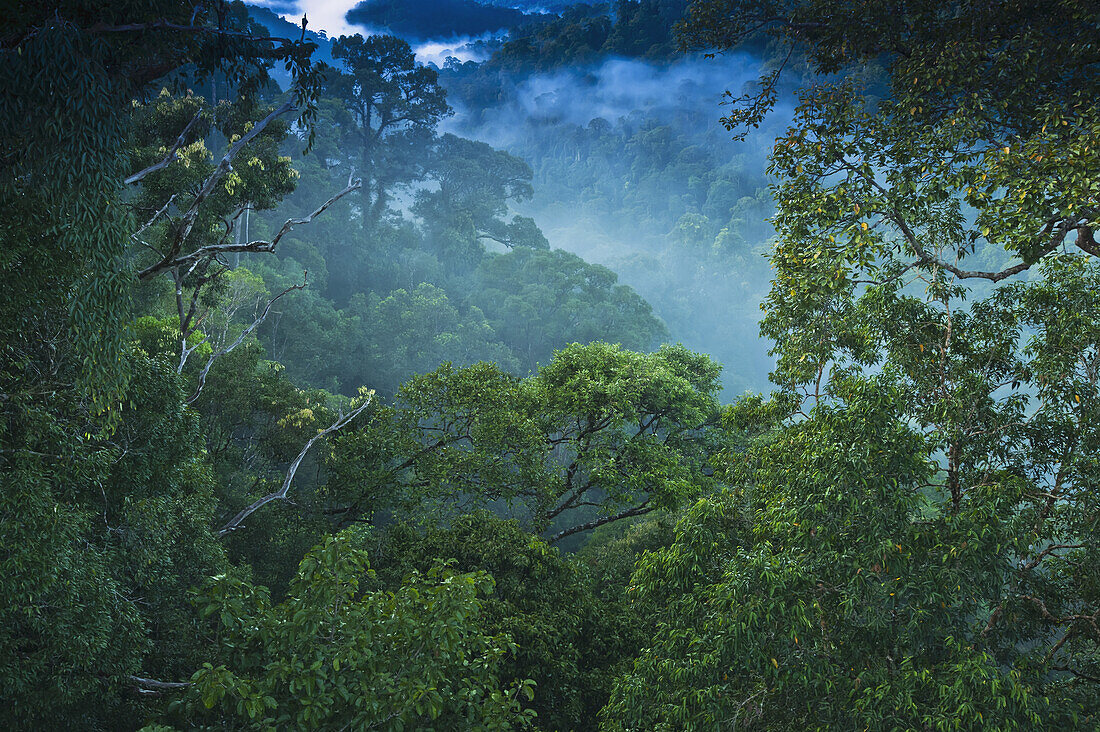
(482, 371)
(630, 169)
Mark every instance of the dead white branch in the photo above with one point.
(342, 420)
(187, 222)
(215, 355)
(136, 236)
(169, 158)
(259, 246)
(152, 686)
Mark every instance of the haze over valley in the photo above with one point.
(631, 166)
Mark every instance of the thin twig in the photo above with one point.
(240, 339)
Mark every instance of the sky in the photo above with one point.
(326, 15)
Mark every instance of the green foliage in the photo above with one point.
(105, 537)
(117, 469)
(611, 552)
(67, 79)
(599, 434)
(68, 637)
(538, 300)
(913, 549)
(904, 536)
(413, 332)
(585, 33)
(63, 226)
(568, 640)
(334, 654)
(829, 592)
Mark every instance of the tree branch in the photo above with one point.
(574, 496)
(638, 510)
(1078, 674)
(152, 686)
(486, 235)
(191, 215)
(171, 156)
(165, 24)
(240, 339)
(926, 258)
(280, 495)
(152, 219)
(1057, 230)
(259, 246)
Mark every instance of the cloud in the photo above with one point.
(326, 15)
(464, 49)
(690, 89)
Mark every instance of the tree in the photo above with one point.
(193, 208)
(568, 639)
(475, 183)
(831, 590)
(391, 106)
(412, 332)
(598, 435)
(106, 537)
(333, 654)
(70, 69)
(978, 148)
(538, 301)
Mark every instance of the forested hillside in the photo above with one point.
(352, 383)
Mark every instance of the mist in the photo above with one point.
(328, 16)
(689, 90)
(632, 170)
(707, 291)
(462, 49)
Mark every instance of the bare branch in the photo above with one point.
(171, 156)
(259, 246)
(280, 495)
(486, 235)
(240, 339)
(152, 686)
(638, 510)
(153, 219)
(1052, 549)
(191, 215)
(353, 185)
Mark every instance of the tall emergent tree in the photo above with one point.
(391, 107)
(915, 544)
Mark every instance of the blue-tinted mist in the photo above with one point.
(633, 171)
